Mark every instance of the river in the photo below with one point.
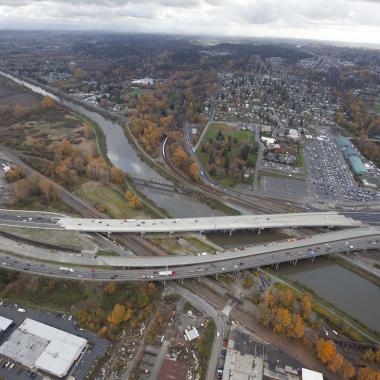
(349, 292)
(122, 154)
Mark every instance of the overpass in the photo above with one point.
(204, 224)
(162, 268)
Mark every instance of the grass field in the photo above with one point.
(110, 200)
(242, 137)
(137, 92)
(376, 108)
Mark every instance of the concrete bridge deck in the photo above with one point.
(202, 224)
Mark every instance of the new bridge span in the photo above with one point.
(204, 224)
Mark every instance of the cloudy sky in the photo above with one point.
(341, 20)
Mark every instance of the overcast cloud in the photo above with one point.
(343, 20)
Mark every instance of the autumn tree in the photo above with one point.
(368, 374)
(88, 132)
(180, 157)
(371, 356)
(194, 171)
(118, 315)
(307, 305)
(80, 74)
(282, 320)
(326, 350)
(18, 110)
(110, 288)
(348, 370)
(117, 175)
(298, 330)
(133, 200)
(47, 102)
(336, 363)
(14, 174)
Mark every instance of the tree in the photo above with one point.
(110, 288)
(133, 200)
(285, 297)
(282, 320)
(336, 363)
(180, 157)
(298, 327)
(326, 350)
(47, 102)
(80, 73)
(194, 171)
(18, 110)
(226, 163)
(348, 370)
(307, 305)
(117, 315)
(117, 175)
(368, 374)
(14, 174)
(88, 132)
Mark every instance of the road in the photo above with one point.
(136, 268)
(220, 325)
(246, 315)
(202, 224)
(137, 244)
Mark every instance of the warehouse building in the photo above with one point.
(5, 323)
(40, 346)
(357, 165)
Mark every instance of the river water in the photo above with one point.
(349, 292)
(122, 154)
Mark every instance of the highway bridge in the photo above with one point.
(203, 224)
(180, 267)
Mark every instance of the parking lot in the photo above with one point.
(269, 165)
(285, 188)
(10, 370)
(330, 177)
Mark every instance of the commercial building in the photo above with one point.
(173, 370)
(357, 165)
(308, 374)
(5, 323)
(36, 345)
(191, 333)
(342, 142)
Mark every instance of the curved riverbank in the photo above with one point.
(122, 154)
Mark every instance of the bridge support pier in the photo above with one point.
(109, 235)
(230, 233)
(142, 234)
(276, 266)
(295, 262)
(259, 231)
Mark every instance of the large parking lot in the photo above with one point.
(329, 175)
(10, 370)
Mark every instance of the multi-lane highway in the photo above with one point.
(178, 267)
(203, 224)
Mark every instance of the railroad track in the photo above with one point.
(135, 243)
(267, 205)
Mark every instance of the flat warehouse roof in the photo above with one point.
(308, 374)
(4, 323)
(35, 344)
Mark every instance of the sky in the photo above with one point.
(335, 20)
